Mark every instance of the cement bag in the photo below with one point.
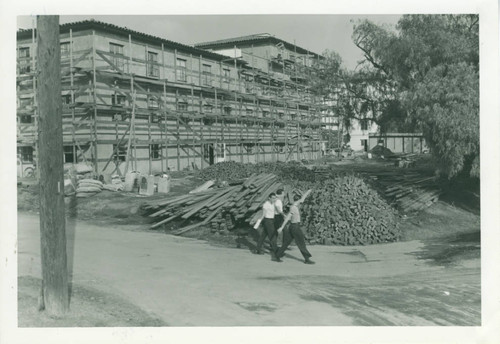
(132, 180)
(85, 189)
(90, 181)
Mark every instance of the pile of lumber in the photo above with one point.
(347, 211)
(221, 208)
(408, 191)
(413, 193)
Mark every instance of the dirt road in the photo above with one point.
(189, 282)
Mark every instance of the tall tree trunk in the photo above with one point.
(54, 293)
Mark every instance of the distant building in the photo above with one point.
(400, 142)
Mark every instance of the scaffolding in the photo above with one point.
(158, 115)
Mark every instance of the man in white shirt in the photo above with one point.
(268, 212)
(279, 216)
(294, 232)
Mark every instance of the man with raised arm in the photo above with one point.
(294, 232)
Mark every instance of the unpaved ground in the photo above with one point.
(186, 282)
(89, 308)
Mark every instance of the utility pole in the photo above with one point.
(54, 294)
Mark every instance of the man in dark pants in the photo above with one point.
(294, 232)
(269, 230)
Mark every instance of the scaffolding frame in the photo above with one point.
(187, 117)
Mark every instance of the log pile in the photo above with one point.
(221, 209)
(346, 211)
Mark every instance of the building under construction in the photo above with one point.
(132, 101)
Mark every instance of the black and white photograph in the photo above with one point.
(251, 175)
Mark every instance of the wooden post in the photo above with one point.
(166, 119)
(73, 132)
(35, 100)
(94, 90)
(55, 294)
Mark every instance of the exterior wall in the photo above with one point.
(357, 134)
(400, 142)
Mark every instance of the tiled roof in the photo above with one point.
(98, 25)
(249, 39)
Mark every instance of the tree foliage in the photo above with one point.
(422, 76)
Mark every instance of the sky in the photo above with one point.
(316, 33)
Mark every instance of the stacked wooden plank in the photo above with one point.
(220, 208)
(408, 190)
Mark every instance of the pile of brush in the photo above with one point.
(346, 211)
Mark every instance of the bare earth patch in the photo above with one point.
(88, 308)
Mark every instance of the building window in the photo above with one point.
(221, 150)
(227, 110)
(226, 74)
(279, 148)
(155, 151)
(152, 67)
(249, 147)
(68, 154)
(66, 99)
(249, 111)
(25, 102)
(364, 124)
(26, 153)
(117, 58)
(120, 152)
(181, 70)
(25, 68)
(65, 49)
(182, 106)
(208, 108)
(153, 103)
(207, 75)
(154, 118)
(118, 100)
(265, 114)
(24, 52)
(26, 119)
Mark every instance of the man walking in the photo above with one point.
(279, 216)
(294, 232)
(268, 211)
